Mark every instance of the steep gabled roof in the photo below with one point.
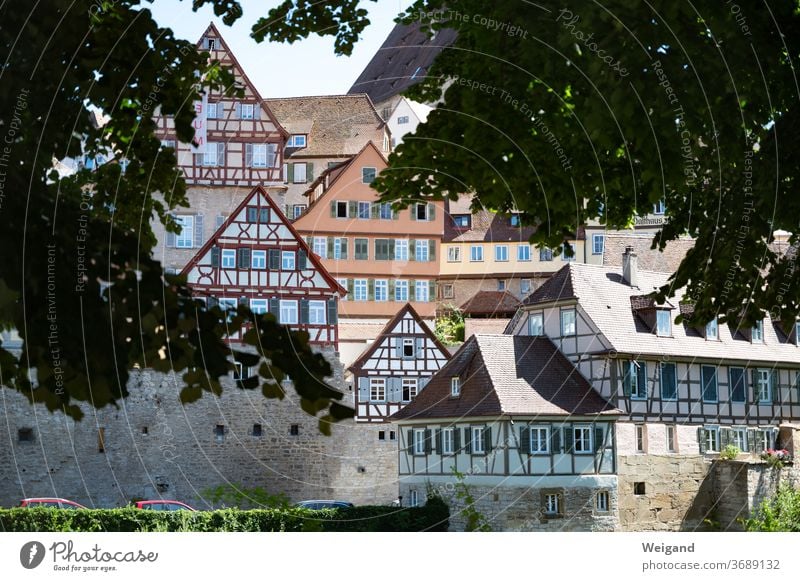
(390, 329)
(403, 60)
(507, 375)
(557, 287)
(264, 198)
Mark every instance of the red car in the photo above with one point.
(162, 505)
(50, 503)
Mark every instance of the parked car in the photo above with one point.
(163, 505)
(323, 504)
(49, 503)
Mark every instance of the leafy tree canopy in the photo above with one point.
(78, 280)
(598, 110)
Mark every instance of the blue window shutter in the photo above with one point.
(398, 348)
(568, 443)
(304, 308)
(487, 439)
(302, 260)
(641, 379)
(468, 440)
(248, 148)
(244, 257)
(363, 389)
(598, 438)
(456, 440)
(333, 312)
(524, 440)
(627, 377)
(274, 259)
(215, 253)
(263, 215)
(275, 307)
(555, 440)
(428, 443)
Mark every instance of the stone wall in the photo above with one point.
(664, 493)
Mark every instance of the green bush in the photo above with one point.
(780, 513)
(432, 517)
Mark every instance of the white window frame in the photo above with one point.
(360, 289)
(540, 444)
(564, 257)
(501, 253)
(448, 440)
(337, 248)
(640, 435)
(797, 333)
(259, 158)
(401, 249)
(419, 441)
(320, 246)
(478, 444)
(659, 208)
(421, 251)
(363, 210)
(288, 260)
(712, 330)
(227, 258)
(524, 253)
(455, 386)
(421, 291)
(425, 213)
(501, 285)
(300, 177)
(545, 255)
(385, 211)
(377, 389)
(297, 210)
(524, 287)
(288, 312)
(297, 140)
(532, 317)
(259, 306)
(209, 156)
(767, 436)
(763, 385)
(672, 438)
(412, 385)
(448, 292)
(712, 439)
(586, 440)
(757, 332)
(343, 283)
(663, 323)
(574, 326)
(476, 253)
(247, 111)
(739, 437)
(598, 243)
(402, 119)
(317, 314)
(185, 238)
(552, 504)
(408, 343)
(258, 259)
(401, 290)
(454, 254)
(227, 303)
(381, 290)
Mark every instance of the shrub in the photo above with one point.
(432, 517)
(729, 452)
(780, 513)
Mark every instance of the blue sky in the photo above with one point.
(307, 67)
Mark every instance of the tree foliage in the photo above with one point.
(78, 280)
(581, 111)
(780, 513)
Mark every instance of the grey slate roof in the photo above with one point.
(606, 298)
(507, 375)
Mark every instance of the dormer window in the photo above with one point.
(797, 335)
(663, 323)
(461, 220)
(757, 332)
(712, 330)
(296, 141)
(455, 386)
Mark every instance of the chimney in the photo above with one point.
(630, 267)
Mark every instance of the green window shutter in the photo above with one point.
(391, 289)
(555, 440)
(568, 444)
(333, 209)
(303, 311)
(244, 258)
(751, 440)
(431, 250)
(438, 441)
(775, 387)
(432, 290)
(412, 291)
(198, 230)
(274, 259)
(302, 260)
(374, 211)
(598, 439)
(524, 440)
(431, 211)
(410, 442)
(428, 442)
(487, 439)
(352, 209)
(413, 211)
(343, 249)
(215, 253)
(391, 249)
(310, 242)
(759, 442)
(350, 288)
(395, 214)
(371, 289)
(468, 440)
(456, 440)
(754, 383)
(641, 379)
(701, 439)
(291, 173)
(333, 312)
(627, 377)
(309, 172)
(724, 437)
(275, 307)
(412, 249)
(330, 248)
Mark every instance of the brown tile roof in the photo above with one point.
(337, 125)
(474, 326)
(403, 60)
(501, 303)
(557, 287)
(359, 331)
(507, 375)
(649, 259)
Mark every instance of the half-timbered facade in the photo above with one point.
(257, 257)
(396, 366)
(517, 419)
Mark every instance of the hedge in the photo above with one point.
(431, 517)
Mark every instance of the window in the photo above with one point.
(320, 246)
(25, 435)
(709, 439)
(739, 438)
(211, 44)
(381, 435)
(476, 254)
(641, 442)
(447, 291)
(413, 498)
(211, 155)
(316, 312)
(524, 286)
(797, 333)
(663, 323)
(246, 111)
(299, 173)
(364, 209)
(672, 439)
(259, 155)
(360, 289)
(421, 251)
(478, 442)
(501, 285)
(368, 175)
(287, 260)
(226, 304)
(339, 248)
(736, 384)
(540, 440)
(524, 253)
(552, 504)
(168, 143)
(419, 442)
(377, 389)
(659, 207)
(422, 212)
(185, 239)
(258, 259)
(639, 488)
(297, 210)
(385, 211)
(228, 258)
(361, 249)
(294, 430)
(536, 324)
(240, 371)
(501, 253)
(255, 214)
(582, 440)
(409, 385)
(762, 385)
(601, 501)
(514, 219)
(422, 291)
(461, 220)
(448, 441)
(545, 254)
(712, 330)
(288, 314)
(409, 351)
(669, 381)
(766, 436)
(401, 290)
(402, 120)
(455, 386)
(635, 379)
(215, 111)
(757, 332)
(258, 306)
(401, 249)
(598, 243)
(568, 322)
(381, 290)
(219, 433)
(257, 431)
(454, 254)
(708, 378)
(564, 256)
(296, 141)
(341, 209)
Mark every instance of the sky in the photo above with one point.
(307, 67)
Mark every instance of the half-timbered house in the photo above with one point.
(524, 428)
(396, 366)
(257, 257)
